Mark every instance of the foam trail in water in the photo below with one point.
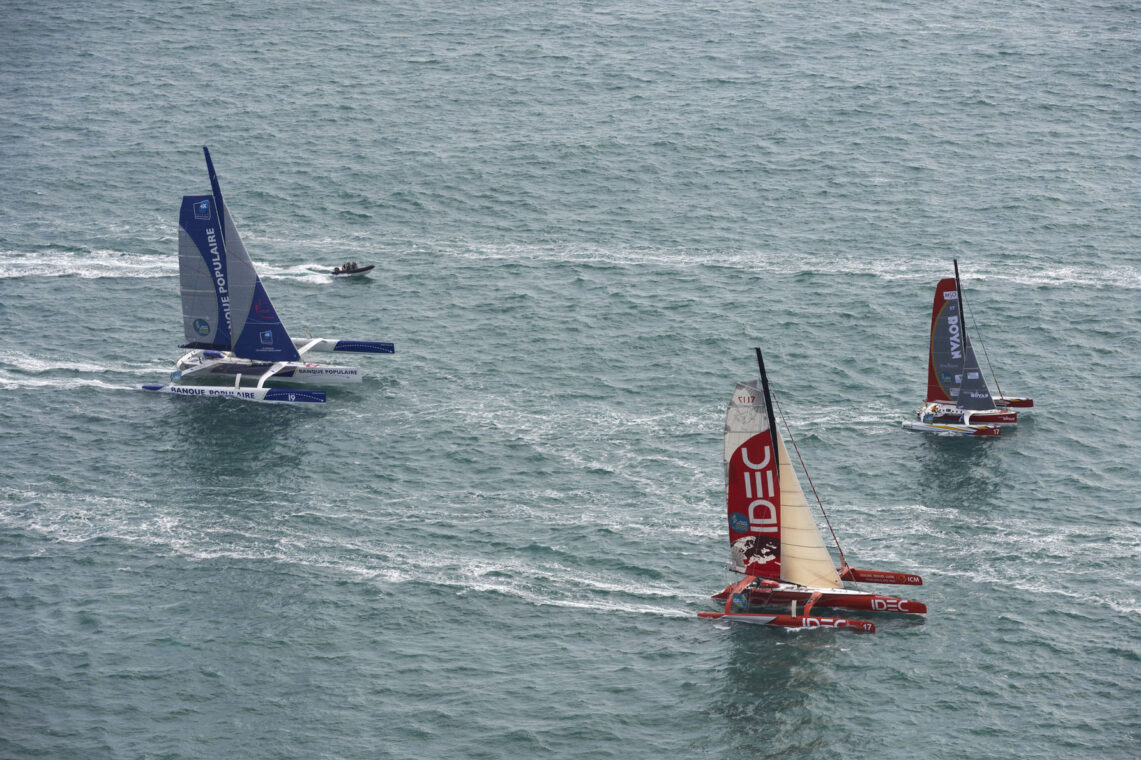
(96, 264)
(8, 383)
(32, 364)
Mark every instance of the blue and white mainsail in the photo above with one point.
(224, 305)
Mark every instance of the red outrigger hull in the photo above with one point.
(1024, 403)
(792, 621)
(879, 576)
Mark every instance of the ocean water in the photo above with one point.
(583, 217)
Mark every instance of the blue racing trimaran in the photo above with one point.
(231, 327)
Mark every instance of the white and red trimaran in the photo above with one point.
(774, 539)
(958, 399)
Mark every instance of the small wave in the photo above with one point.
(923, 270)
(1129, 606)
(9, 383)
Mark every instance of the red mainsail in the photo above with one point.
(753, 485)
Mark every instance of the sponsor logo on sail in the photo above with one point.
(760, 486)
(202, 326)
(754, 506)
(218, 266)
(266, 337)
(262, 309)
(956, 337)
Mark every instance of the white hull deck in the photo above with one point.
(203, 365)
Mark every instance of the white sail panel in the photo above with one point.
(804, 558)
(202, 274)
(243, 276)
(745, 418)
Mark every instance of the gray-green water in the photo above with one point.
(583, 217)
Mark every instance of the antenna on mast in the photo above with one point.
(768, 405)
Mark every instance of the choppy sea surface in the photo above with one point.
(583, 217)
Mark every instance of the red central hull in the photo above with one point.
(772, 594)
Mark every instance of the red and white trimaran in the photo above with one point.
(958, 399)
(774, 540)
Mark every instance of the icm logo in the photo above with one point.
(738, 522)
(267, 337)
(202, 209)
(202, 327)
